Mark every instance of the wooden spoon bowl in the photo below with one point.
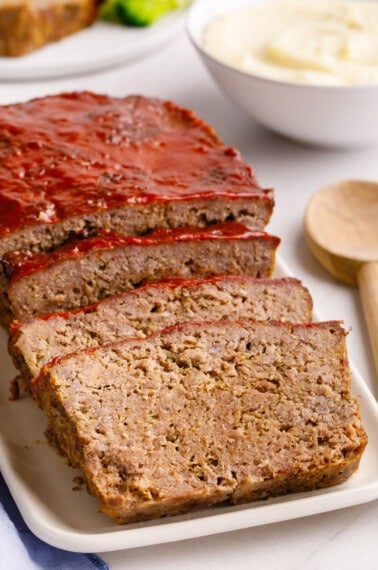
(341, 228)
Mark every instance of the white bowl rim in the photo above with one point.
(294, 85)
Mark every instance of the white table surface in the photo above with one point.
(345, 539)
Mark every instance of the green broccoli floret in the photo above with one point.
(137, 12)
(109, 11)
(144, 12)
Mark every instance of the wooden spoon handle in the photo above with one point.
(367, 279)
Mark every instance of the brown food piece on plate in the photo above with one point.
(82, 161)
(26, 25)
(153, 306)
(85, 271)
(203, 413)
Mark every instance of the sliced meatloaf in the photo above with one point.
(78, 161)
(26, 25)
(151, 307)
(84, 271)
(205, 412)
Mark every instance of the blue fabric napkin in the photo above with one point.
(21, 549)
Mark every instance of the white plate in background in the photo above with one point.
(42, 484)
(95, 48)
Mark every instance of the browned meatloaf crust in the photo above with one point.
(85, 271)
(79, 161)
(203, 412)
(26, 25)
(154, 306)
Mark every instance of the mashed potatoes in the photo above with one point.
(307, 41)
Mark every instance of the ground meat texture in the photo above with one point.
(28, 25)
(85, 271)
(203, 413)
(84, 161)
(151, 307)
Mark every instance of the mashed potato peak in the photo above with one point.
(307, 41)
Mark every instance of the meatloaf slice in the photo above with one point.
(79, 161)
(205, 412)
(84, 271)
(26, 25)
(155, 306)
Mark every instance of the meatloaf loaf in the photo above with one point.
(151, 307)
(205, 412)
(26, 25)
(79, 161)
(84, 271)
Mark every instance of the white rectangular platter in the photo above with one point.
(42, 485)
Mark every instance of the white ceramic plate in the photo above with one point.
(42, 484)
(98, 47)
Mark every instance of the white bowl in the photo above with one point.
(333, 116)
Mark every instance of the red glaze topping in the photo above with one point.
(18, 264)
(77, 153)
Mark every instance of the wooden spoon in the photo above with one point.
(341, 227)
